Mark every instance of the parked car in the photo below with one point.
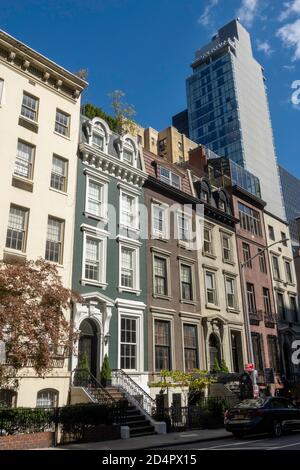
(273, 415)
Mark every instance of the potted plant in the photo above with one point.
(82, 372)
(106, 373)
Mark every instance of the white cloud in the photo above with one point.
(205, 19)
(290, 36)
(289, 67)
(247, 12)
(264, 46)
(291, 8)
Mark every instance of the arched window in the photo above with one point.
(128, 150)
(99, 134)
(47, 398)
(214, 350)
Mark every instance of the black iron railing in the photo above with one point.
(270, 319)
(255, 317)
(98, 393)
(133, 391)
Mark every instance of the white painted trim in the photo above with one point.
(136, 266)
(103, 196)
(135, 209)
(103, 254)
(139, 316)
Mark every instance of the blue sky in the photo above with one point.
(145, 47)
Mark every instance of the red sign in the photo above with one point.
(249, 367)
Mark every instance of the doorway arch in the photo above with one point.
(88, 345)
(214, 350)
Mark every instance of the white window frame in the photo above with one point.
(184, 243)
(169, 180)
(291, 280)
(36, 110)
(130, 146)
(214, 275)
(30, 163)
(24, 229)
(138, 315)
(101, 237)
(229, 238)
(228, 277)
(190, 264)
(135, 248)
(279, 270)
(65, 176)
(68, 127)
(60, 242)
(103, 182)
(165, 233)
(135, 198)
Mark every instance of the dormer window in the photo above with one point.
(222, 205)
(169, 177)
(204, 195)
(128, 154)
(99, 133)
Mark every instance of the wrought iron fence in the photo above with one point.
(84, 378)
(207, 413)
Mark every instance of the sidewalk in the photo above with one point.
(155, 441)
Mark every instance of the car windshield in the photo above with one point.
(251, 403)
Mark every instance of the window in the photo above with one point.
(247, 255)
(160, 276)
(17, 228)
(169, 177)
(47, 398)
(222, 205)
(59, 173)
(262, 261)
(283, 238)
(98, 140)
(288, 271)
(257, 351)
(230, 292)
(129, 268)
(281, 306)
(129, 215)
(94, 197)
(250, 219)
(62, 123)
(186, 282)
(273, 353)
(8, 398)
(210, 282)
(128, 156)
(204, 195)
(294, 309)
(190, 347)
(208, 245)
(54, 243)
(226, 247)
(267, 300)
(162, 345)
(29, 107)
(128, 343)
(92, 259)
(184, 227)
(160, 220)
(24, 160)
(271, 232)
(276, 269)
(251, 298)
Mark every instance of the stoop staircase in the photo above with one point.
(136, 416)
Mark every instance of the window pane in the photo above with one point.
(94, 198)
(62, 121)
(162, 345)
(23, 164)
(16, 230)
(160, 276)
(128, 343)
(54, 240)
(92, 259)
(127, 273)
(29, 107)
(58, 174)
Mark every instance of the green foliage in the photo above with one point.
(82, 373)
(195, 381)
(90, 111)
(25, 420)
(223, 367)
(88, 414)
(106, 370)
(216, 367)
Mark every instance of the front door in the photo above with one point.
(87, 351)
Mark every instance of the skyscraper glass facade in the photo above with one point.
(291, 196)
(213, 108)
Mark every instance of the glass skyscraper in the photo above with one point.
(228, 110)
(291, 196)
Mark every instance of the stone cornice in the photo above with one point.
(112, 166)
(36, 67)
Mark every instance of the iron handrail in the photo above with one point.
(84, 378)
(134, 391)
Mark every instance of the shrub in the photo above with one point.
(25, 420)
(105, 371)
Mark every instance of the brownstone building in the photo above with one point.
(174, 328)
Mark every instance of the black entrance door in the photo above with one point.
(87, 354)
(214, 350)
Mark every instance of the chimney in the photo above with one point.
(198, 160)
